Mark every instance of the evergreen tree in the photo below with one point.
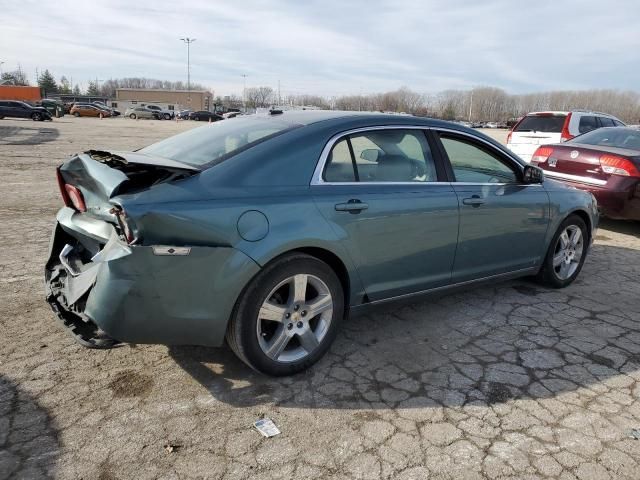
(64, 86)
(47, 82)
(76, 90)
(93, 89)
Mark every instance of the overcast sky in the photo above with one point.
(332, 47)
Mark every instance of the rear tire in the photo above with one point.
(167, 116)
(289, 291)
(566, 255)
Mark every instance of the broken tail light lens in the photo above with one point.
(63, 191)
(76, 198)
(541, 155)
(615, 165)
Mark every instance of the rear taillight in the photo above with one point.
(565, 134)
(541, 154)
(63, 191)
(75, 195)
(615, 165)
(71, 196)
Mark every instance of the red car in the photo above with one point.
(605, 162)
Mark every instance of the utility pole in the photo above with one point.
(244, 92)
(470, 105)
(188, 41)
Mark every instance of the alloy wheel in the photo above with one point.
(294, 318)
(568, 252)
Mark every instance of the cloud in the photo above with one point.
(331, 47)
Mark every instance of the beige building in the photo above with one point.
(170, 99)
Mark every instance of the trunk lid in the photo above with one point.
(101, 175)
(581, 162)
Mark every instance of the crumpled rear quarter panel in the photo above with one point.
(173, 299)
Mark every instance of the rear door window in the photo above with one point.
(382, 156)
(587, 123)
(541, 123)
(340, 164)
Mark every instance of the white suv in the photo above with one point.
(163, 113)
(543, 128)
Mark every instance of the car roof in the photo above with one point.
(335, 117)
(567, 112)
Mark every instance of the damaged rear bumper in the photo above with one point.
(103, 289)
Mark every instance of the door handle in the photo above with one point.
(352, 206)
(474, 201)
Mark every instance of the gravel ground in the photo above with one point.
(507, 381)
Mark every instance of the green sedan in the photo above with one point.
(268, 231)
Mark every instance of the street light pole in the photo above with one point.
(188, 41)
(244, 92)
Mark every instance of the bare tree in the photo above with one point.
(258, 97)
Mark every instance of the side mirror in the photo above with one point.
(533, 174)
(370, 154)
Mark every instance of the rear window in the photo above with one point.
(611, 137)
(218, 141)
(541, 123)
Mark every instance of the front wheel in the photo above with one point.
(167, 116)
(132, 116)
(288, 316)
(76, 114)
(36, 117)
(566, 254)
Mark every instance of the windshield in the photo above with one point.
(541, 123)
(611, 137)
(217, 141)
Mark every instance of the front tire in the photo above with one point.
(566, 255)
(167, 116)
(76, 114)
(288, 316)
(36, 117)
(132, 116)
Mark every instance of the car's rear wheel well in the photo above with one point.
(334, 262)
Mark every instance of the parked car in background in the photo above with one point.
(266, 231)
(104, 106)
(183, 114)
(543, 128)
(163, 113)
(87, 110)
(491, 125)
(18, 109)
(605, 162)
(54, 107)
(141, 112)
(204, 115)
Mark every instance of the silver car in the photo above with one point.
(140, 112)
